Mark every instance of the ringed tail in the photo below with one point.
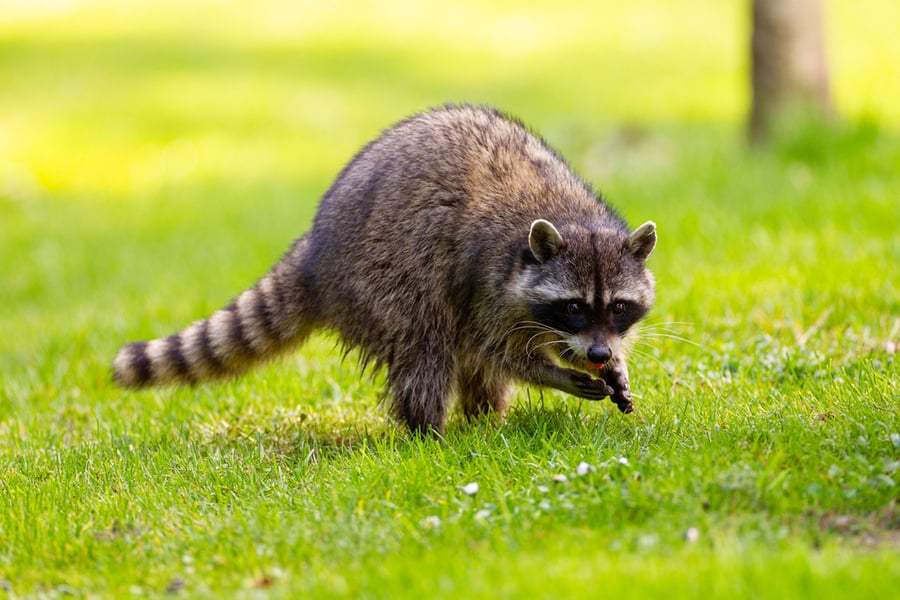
(263, 321)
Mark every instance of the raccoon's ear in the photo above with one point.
(544, 240)
(642, 241)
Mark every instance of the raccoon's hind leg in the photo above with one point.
(481, 394)
(420, 388)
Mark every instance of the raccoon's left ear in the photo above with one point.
(544, 240)
(642, 241)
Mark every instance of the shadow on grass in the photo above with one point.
(538, 420)
(299, 434)
(309, 436)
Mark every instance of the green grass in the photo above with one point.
(155, 160)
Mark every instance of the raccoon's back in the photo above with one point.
(426, 221)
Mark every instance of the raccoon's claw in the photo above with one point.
(620, 390)
(622, 399)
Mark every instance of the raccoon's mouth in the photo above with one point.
(568, 359)
(593, 369)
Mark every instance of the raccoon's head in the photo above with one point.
(584, 288)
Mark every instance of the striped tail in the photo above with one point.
(270, 317)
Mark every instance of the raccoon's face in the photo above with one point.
(584, 290)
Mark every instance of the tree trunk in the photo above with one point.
(789, 72)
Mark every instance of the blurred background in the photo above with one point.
(119, 98)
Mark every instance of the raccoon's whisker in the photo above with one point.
(688, 323)
(657, 331)
(541, 329)
(658, 327)
(567, 351)
(537, 335)
(550, 343)
(673, 337)
(640, 331)
(531, 350)
(649, 356)
(531, 340)
(533, 323)
(526, 325)
(642, 342)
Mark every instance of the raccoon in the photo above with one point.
(458, 252)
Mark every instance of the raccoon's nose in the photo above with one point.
(598, 354)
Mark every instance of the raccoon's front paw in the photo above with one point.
(589, 388)
(620, 390)
(622, 398)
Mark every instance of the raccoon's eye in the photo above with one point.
(618, 308)
(573, 308)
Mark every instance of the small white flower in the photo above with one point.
(560, 478)
(692, 535)
(431, 522)
(584, 468)
(470, 489)
(482, 514)
(543, 489)
(895, 439)
(623, 461)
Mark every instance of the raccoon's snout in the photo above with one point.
(599, 353)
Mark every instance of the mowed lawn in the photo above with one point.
(155, 159)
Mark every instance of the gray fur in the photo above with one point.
(449, 251)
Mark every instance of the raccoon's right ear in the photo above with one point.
(544, 240)
(642, 241)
